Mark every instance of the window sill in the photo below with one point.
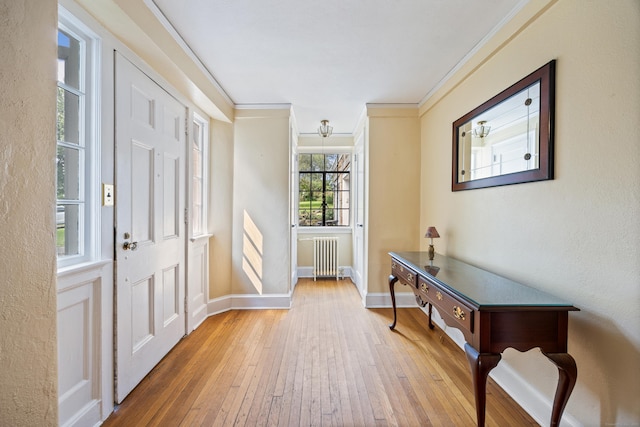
(81, 267)
(200, 238)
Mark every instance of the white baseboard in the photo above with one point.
(531, 400)
(383, 300)
(249, 302)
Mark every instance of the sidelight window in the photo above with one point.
(76, 140)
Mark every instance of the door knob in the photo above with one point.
(130, 246)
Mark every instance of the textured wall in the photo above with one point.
(28, 378)
(577, 235)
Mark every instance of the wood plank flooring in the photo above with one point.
(325, 362)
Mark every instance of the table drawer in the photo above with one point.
(449, 307)
(403, 273)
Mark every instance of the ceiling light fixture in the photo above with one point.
(325, 130)
(482, 129)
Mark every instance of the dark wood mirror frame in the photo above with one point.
(546, 76)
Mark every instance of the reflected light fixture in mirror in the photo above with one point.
(431, 234)
(482, 129)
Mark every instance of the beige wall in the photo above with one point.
(221, 208)
(575, 236)
(393, 190)
(332, 141)
(28, 377)
(260, 241)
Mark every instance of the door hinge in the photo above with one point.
(185, 305)
(186, 215)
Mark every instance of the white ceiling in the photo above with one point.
(330, 58)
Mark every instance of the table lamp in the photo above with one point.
(431, 234)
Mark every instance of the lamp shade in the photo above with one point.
(432, 232)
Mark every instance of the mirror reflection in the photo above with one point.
(509, 138)
(503, 139)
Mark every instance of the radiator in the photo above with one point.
(325, 257)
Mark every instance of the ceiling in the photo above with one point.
(330, 59)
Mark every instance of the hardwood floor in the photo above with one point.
(326, 361)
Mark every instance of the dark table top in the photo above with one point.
(485, 290)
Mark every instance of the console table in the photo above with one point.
(493, 313)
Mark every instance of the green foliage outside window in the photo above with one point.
(323, 189)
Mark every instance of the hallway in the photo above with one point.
(326, 361)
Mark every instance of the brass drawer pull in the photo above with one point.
(410, 277)
(424, 287)
(458, 313)
(439, 296)
(393, 266)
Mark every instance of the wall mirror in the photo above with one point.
(509, 138)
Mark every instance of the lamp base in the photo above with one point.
(431, 252)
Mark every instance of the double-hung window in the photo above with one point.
(199, 149)
(324, 189)
(76, 135)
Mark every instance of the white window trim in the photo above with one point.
(90, 128)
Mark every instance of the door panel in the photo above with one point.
(150, 231)
(171, 194)
(142, 185)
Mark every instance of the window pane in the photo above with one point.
(196, 136)
(343, 162)
(341, 217)
(316, 217)
(316, 182)
(331, 181)
(305, 182)
(304, 162)
(68, 117)
(68, 229)
(304, 199)
(328, 199)
(304, 217)
(331, 161)
(197, 163)
(68, 173)
(68, 59)
(317, 162)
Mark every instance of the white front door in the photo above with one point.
(150, 229)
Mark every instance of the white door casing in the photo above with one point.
(293, 197)
(197, 248)
(150, 228)
(358, 214)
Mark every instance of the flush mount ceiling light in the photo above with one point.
(325, 130)
(482, 129)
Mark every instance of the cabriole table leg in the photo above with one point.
(392, 280)
(481, 365)
(567, 375)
